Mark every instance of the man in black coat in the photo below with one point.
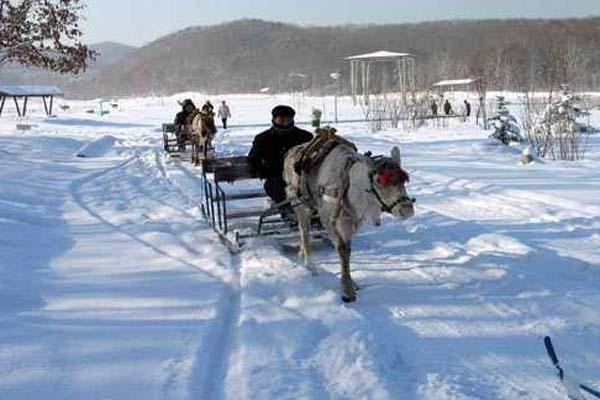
(447, 107)
(269, 148)
(467, 109)
(187, 110)
(182, 120)
(434, 108)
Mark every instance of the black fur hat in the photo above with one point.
(283, 110)
(187, 102)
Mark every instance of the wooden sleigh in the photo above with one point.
(170, 143)
(237, 207)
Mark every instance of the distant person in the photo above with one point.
(224, 113)
(467, 109)
(269, 148)
(434, 108)
(447, 107)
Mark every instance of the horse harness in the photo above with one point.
(313, 154)
(317, 149)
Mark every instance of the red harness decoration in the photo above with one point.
(391, 176)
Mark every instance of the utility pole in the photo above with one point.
(336, 77)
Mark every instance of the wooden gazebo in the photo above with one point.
(23, 93)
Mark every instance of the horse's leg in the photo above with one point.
(348, 286)
(304, 213)
(352, 281)
(199, 150)
(207, 145)
(193, 160)
(344, 229)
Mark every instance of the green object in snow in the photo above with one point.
(316, 118)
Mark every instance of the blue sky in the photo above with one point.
(140, 21)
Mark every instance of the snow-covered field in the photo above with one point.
(113, 287)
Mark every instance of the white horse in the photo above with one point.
(203, 130)
(346, 188)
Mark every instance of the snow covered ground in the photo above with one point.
(113, 287)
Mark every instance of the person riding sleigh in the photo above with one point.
(269, 148)
(183, 121)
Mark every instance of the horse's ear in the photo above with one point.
(396, 155)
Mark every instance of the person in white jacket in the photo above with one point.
(224, 113)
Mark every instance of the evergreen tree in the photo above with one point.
(505, 124)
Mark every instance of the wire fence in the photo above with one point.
(352, 121)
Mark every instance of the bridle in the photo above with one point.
(401, 200)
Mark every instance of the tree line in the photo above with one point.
(247, 55)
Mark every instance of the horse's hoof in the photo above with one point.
(312, 269)
(348, 299)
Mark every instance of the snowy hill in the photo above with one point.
(246, 55)
(111, 53)
(113, 286)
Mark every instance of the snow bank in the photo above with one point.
(496, 243)
(101, 147)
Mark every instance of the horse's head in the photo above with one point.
(208, 127)
(388, 181)
(203, 124)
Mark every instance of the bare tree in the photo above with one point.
(537, 130)
(43, 33)
(576, 65)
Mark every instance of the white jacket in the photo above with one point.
(224, 111)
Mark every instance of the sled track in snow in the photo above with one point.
(210, 370)
(209, 367)
(78, 199)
